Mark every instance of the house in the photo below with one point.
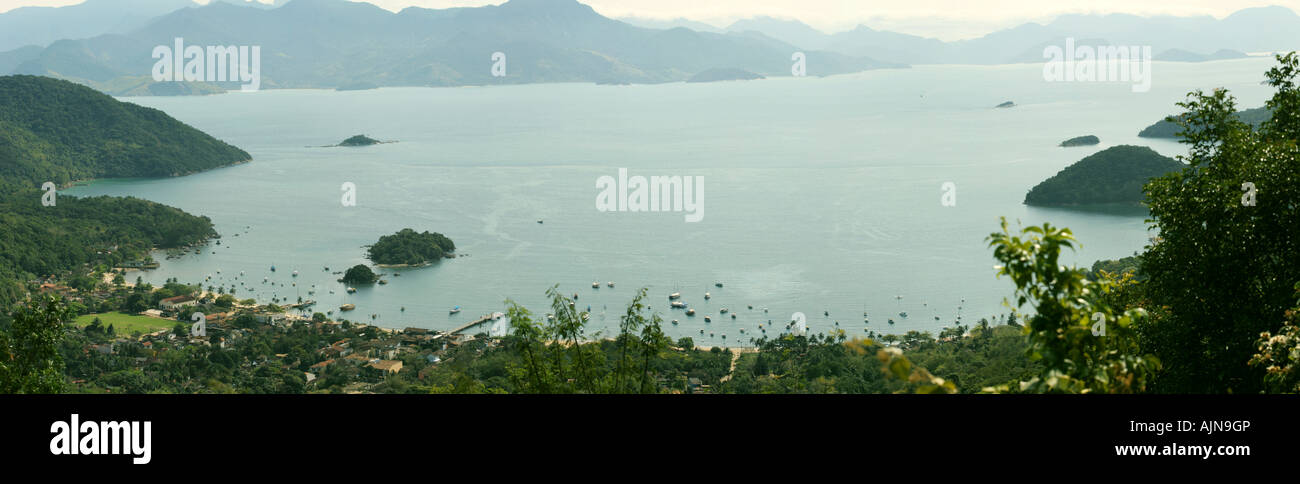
(359, 358)
(173, 303)
(48, 288)
(390, 366)
(332, 351)
(321, 365)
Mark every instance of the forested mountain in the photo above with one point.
(58, 131)
(1113, 175)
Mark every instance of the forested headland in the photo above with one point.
(56, 132)
(1113, 175)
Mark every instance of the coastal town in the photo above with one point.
(133, 337)
(362, 354)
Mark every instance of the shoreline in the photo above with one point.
(88, 181)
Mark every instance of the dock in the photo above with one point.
(471, 324)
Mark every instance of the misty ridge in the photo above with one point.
(331, 44)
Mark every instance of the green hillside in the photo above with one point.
(1113, 175)
(58, 131)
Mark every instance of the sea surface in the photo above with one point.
(822, 196)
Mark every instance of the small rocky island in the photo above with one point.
(1007, 104)
(1088, 140)
(359, 140)
(724, 74)
(359, 274)
(408, 248)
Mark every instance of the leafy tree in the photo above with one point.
(898, 366)
(568, 329)
(1084, 344)
(628, 325)
(653, 342)
(527, 339)
(1223, 265)
(30, 361)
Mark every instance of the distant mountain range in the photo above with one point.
(38, 26)
(333, 43)
(1263, 29)
(106, 44)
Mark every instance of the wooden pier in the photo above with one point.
(471, 324)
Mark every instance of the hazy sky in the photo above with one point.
(945, 19)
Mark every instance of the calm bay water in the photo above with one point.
(821, 194)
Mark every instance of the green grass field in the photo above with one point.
(125, 324)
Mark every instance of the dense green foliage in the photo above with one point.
(1085, 342)
(57, 131)
(359, 274)
(80, 233)
(29, 349)
(1225, 265)
(1113, 175)
(411, 248)
(1170, 127)
(1088, 140)
(1124, 265)
(1279, 353)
